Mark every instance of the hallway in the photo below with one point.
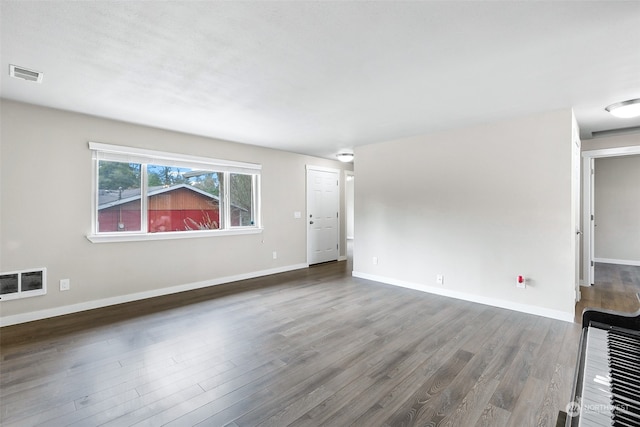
(616, 288)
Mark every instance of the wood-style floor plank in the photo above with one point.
(493, 416)
(304, 348)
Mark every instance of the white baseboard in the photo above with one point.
(617, 261)
(342, 258)
(90, 305)
(524, 308)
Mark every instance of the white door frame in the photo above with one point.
(347, 174)
(576, 195)
(306, 209)
(588, 203)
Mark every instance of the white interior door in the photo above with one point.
(592, 221)
(575, 206)
(323, 205)
(587, 219)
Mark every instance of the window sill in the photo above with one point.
(137, 237)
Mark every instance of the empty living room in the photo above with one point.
(319, 213)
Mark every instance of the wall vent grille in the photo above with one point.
(23, 283)
(25, 74)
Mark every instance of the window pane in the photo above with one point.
(118, 196)
(8, 284)
(31, 281)
(241, 199)
(182, 199)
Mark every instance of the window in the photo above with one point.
(182, 199)
(119, 189)
(143, 194)
(241, 199)
(21, 284)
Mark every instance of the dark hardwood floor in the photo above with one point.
(616, 287)
(305, 348)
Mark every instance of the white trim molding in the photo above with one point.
(90, 305)
(322, 168)
(494, 302)
(613, 152)
(617, 261)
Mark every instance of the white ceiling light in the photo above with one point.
(345, 157)
(625, 109)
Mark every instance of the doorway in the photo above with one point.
(323, 213)
(349, 196)
(589, 218)
(617, 287)
(617, 284)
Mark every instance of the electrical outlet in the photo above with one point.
(275, 255)
(375, 260)
(65, 284)
(440, 279)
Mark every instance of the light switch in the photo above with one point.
(297, 214)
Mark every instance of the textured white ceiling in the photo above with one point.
(317, 77)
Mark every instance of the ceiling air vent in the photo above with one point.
(25, 74)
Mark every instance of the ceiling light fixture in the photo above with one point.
(625, 109)
(345, 157)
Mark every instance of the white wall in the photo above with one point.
(45, 208)
(480, 206)
(617, 208)
(615, 141)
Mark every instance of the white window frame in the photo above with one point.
(117, 153)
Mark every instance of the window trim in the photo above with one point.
(117, 153)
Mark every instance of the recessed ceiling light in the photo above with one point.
(345, 157)
(25, 74)
(625, 109)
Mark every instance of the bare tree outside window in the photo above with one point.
(241, 198)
